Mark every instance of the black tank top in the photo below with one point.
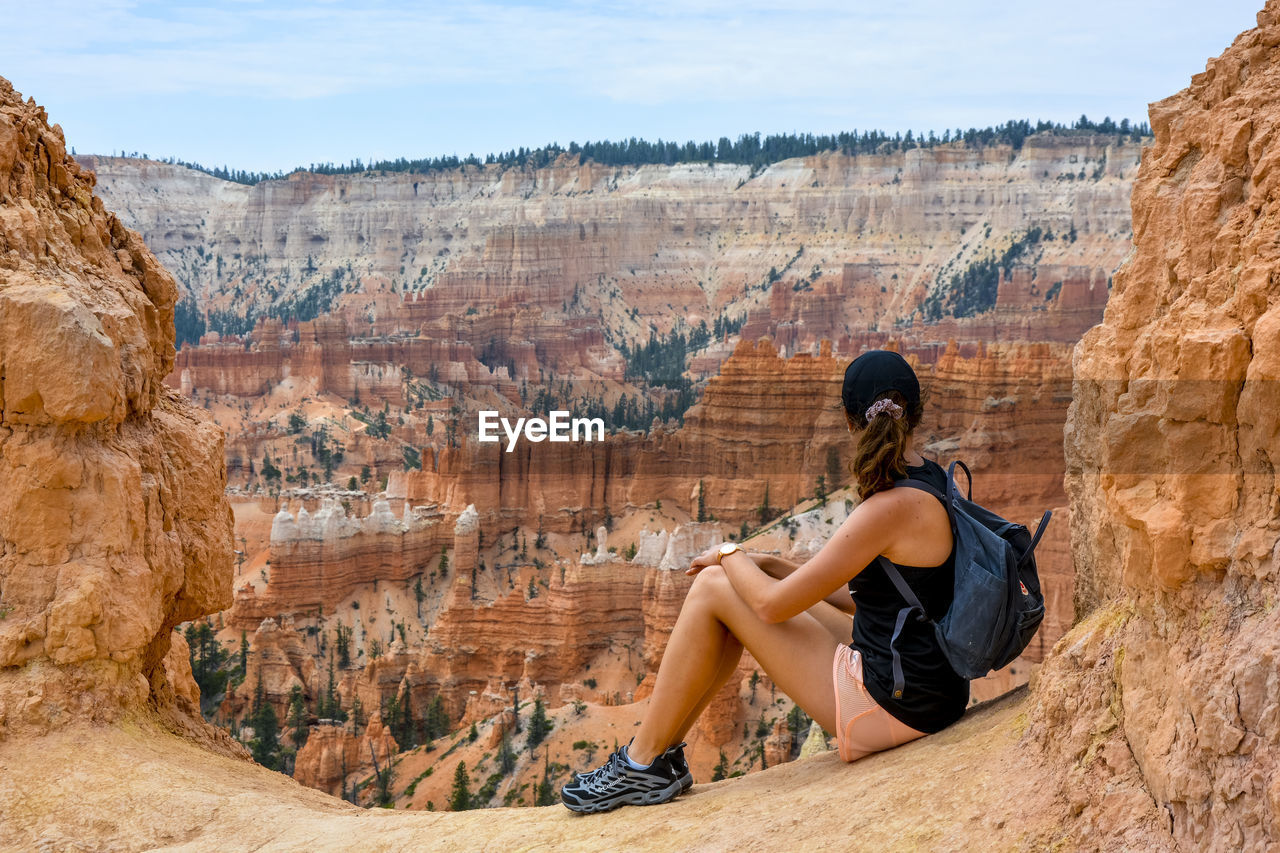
(934, 697)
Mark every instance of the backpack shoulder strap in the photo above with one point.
(913, 605)
(921, 486)
(952, 485)
(1044, 522)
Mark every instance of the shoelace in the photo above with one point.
(603, 771)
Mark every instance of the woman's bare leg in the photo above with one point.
(833, 619)
(796, 654)
(728, 666)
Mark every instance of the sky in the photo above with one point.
(268, 85)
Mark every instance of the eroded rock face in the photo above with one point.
(865, 237)
(1172, 447)
(112, 517)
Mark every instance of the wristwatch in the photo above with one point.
(725, 550)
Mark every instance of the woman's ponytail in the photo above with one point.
(880, 457)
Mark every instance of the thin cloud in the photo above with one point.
(482, 76)
(655, 53)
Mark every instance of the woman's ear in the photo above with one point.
(853, 427)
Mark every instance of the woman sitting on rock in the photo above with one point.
(795, 619)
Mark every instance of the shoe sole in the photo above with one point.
(686, 781)
(638, 798)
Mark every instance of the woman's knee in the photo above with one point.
(711, 582)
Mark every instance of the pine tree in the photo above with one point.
(392, 717)
(539, 725)
(722, 768)
(410, 732)
(437, 719)
(764, 509)
(265, 745)
(207, 659)
(702, 505)
(298, 728)
(545, 794)
(506, 757)
(385, 777)
(344, 645)
(460, 796)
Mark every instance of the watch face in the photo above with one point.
(728, 548)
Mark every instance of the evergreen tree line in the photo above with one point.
(662, 361)
(630, 411)
(748, 149)
(208, 660)
(189, 323)
(973, 290)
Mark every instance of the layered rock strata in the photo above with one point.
(865, 237)
(318, 560)
(1171, 469)
(113, 521)
(1151, 726)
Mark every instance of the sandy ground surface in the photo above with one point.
(134, 786)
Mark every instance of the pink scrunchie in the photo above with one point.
(884, 405)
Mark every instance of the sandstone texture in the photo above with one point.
(972, 786)
(112, 517)
(515, 289)
(628, 246)
(1172, 447)
(1150, 725)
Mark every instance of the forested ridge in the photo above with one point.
(749, 149)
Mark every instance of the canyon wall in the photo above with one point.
(1172, 450)
(829, 246)
(112, 516)
(1151, 725)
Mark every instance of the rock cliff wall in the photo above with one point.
(854, 243)
(1152, 724)
(1172, 446)
(112, 518)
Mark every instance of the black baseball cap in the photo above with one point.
(871, 375)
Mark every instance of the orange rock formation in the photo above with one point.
(1172, 453)
(865, 238)
(113, 520)
(1151, 725)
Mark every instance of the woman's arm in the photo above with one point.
(870, 530)
(773, 568)
(777, 567)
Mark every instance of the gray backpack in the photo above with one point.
(997, 605)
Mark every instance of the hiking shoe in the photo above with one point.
(617, 783)
(675, 754)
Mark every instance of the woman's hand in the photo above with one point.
(709, 557)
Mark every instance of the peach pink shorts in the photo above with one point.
(863, 726)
